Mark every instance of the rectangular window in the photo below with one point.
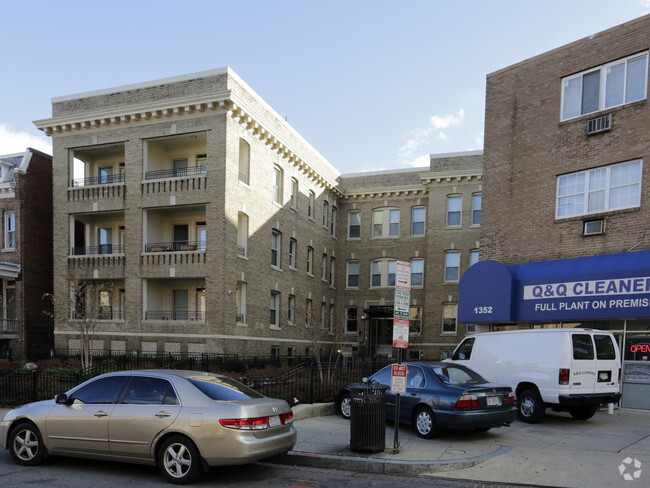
(415, 320)
(332, 271)
(354, 225)
(274, 309)
(473, 257)
(449, 315)
(242, 234)
(418, 217)
(293, 249)
(326, 211)
(353, 274)
(333, 222)
(312, 202)
(454, 208)
(610, 85)
(385, 223)
(308, 310)
(323, 275)
(352, 320)
(382, 273)
(599, 190)
(276, 241)
(277, 185)
(452, 266)
(476, 209)
(294, 193)
(310, 261)
(10, 230)
(291, 309)
(241, 303)
(244, 161)
(417, 272)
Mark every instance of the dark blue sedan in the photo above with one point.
(442, 396)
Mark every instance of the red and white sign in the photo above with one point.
(403, 276)
(398, 378)
(400, 333)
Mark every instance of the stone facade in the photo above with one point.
(529, 146)
(205, 223)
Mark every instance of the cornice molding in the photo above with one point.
(383, 192)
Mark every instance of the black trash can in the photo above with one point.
(368, 417)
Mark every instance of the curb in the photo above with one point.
(306, 411)
(379, 466)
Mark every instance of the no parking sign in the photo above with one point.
(398, 378)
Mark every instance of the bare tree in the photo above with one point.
(327, 345)
(87, 302)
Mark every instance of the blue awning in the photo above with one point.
(610, 286)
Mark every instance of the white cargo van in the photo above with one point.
(574, 370)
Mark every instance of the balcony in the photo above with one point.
(182, 246)
(180, 315)
(9, 328)
(97, 250)
(97, 173)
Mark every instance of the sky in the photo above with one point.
(371, 84)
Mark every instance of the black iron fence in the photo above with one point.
(307, 381)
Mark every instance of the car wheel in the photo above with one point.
(530, 406)
(26, 445)
(345, 406)
(178, 460)
(582, 413)
(425, 423)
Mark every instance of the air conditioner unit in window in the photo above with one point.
(599, 124)
(594, 227)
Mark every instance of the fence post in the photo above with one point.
(311, 382)
(34, 386)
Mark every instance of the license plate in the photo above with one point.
(494, 401)
(274, 421)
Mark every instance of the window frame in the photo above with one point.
(603, 70)
(445, 308)
(349, 275)
(310, 261)
(389, 229)
(447, 267)
(351, 319)
(476, 209)
(386, 265)
(293, 253)
(356, 226)
(10, 240)
(294, 194)
(277, 184)
(244, 162)
(276, 249)
(587, 191)
(450, 211)
(274, 309)
(422, 222)
(421, 273)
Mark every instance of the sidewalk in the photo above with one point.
(558, 452)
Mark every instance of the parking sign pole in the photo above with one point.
(401, 315)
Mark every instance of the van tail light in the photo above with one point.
(511, 398)
(467, 401)
(564, 376)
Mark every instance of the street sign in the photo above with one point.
(403, 276)
(398, 378)
(402, 304)
(401, 333)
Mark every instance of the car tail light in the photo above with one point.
(564, 376)
(286, 418)
(511, 398)
(258, 423)
(467, 401)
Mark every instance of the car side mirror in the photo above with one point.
(61, 399)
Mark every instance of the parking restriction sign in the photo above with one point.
(398, 378)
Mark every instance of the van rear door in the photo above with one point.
(583, 368)
(607, 364)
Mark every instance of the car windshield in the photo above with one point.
(454, 375)
(223, 388)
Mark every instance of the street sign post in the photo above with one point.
(401, 315)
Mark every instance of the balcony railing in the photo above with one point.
(182, 315)
(176, 246)
(104, 313)
(9, 325)
(101, 249)
(98, 180)
(176, 172)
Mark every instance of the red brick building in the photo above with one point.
(25, 253)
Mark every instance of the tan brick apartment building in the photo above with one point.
(566, 209)
(203, 222)
(25, 253)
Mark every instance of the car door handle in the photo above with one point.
(162, 414)
(101, 413)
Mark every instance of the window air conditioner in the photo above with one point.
(594, 227)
